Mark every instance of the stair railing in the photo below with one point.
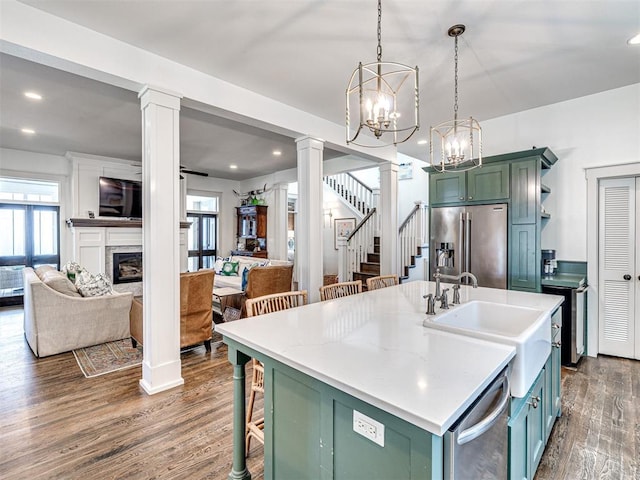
(411, 235)
(352, 191)
(353, 250)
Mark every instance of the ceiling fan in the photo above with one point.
(187, 170)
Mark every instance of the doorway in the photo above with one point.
(619, 267)
(30, 238)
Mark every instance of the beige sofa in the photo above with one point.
(56, 322)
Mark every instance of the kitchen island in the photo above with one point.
(367, 353)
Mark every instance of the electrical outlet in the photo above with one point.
(368, 428)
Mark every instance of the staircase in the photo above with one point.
(354, 193)
(359, 258)
(370, 268)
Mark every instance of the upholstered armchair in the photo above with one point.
(195, 310)
(267, 280)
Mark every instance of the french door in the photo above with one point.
(619, 267)
(202, 240)
(30, 237)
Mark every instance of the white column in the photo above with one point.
(161, 368)
(375, 194)
(343, 260)
(309, 252)
(388, 212)
(278, 247)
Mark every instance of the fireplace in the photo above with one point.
(127, 267)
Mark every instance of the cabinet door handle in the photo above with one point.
(470, 198)
(627, 277)
(557, 344)
(534, 401)
(555, 326)
(461, 198)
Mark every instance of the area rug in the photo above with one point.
(108, 357)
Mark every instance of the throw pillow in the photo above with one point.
(245, 275)
(218, 265)
(42, 269)
(93, 286)
(71, 270)
(230, 268)
(59, 282)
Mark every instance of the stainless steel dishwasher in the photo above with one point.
(475, 447)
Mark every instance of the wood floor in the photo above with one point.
(57, 424)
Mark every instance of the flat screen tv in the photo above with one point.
(120, 198)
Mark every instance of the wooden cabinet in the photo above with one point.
(533, 416)
(481, 185)
(252, 230)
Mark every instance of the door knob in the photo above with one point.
(627, 277)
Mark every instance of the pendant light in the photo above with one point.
(456, 145)
(383, 97)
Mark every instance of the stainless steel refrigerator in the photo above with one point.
(470, 239)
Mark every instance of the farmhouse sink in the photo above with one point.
(527, 329)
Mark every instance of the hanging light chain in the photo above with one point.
(455, 96)
(379, 50)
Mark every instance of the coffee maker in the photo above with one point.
(549, 263)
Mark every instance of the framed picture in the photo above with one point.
(342, 229)
(405, 171)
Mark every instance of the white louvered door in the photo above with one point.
(618, 268)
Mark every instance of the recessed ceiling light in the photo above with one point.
(33, 95)
(634, 40)
(277, 153)
(422, 142)
(28, 131)
(233, 167)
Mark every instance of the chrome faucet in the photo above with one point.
(438, 276)
(431, 304)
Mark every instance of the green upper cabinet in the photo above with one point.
(488, 183)
(480, 185)
(525, 188)
(447, 188)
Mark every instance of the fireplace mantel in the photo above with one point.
(106, 222)
(92, 236)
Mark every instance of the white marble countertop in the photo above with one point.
(374, 347)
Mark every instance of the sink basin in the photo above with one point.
(527, 329)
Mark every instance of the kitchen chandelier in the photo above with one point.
(455, 141)
(387, 113)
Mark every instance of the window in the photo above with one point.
(30, 226)
(202, 239)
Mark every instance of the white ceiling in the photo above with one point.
(515, 55)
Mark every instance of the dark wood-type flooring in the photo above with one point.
(57, 424)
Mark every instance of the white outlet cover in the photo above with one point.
(368, 428)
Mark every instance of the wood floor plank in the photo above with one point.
(57, 424)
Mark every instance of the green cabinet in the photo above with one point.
(533, 416)
(527, 432)
(480, 185)
(447, 188)
(309, 433)
(524, 258)
(525, 188)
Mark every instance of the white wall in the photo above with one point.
(411, 191)
(596, 130)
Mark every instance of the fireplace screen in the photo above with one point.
(127, 267)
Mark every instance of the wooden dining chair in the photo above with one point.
(342, 289)
(260, 306)
(382, 281)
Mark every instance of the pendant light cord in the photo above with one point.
(455, 96)
(379, 50)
